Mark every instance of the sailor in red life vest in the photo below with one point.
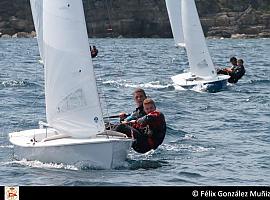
(149, 131)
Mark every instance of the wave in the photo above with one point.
(128, 84)
(16, 83)
(174, 131)
(190, 174)
(177, 147)
(6, 146)
(38, 164)
(254, 81)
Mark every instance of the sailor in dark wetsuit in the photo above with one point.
(226, 70)
(149, 131)
(237, 72)
(139, 96)
(93, 51)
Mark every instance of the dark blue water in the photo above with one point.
(212, 139)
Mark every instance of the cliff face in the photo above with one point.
(148, 18)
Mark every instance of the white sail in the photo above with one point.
(198, 55)
(175, 17)
(72, 103)
(37, 10)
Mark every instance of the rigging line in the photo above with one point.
(34, 103)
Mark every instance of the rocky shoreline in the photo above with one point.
(148, 18)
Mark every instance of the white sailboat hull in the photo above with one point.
(189, 81)
(48, 146)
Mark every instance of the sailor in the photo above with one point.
(237, 71)
(139, 96)
(148, 131)
(93, 51)
(226, 70)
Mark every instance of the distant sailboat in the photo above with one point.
(75, 132)
(186, 25)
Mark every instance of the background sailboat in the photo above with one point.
(202, 72)
(75, 132)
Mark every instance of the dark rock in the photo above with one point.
(219, 33)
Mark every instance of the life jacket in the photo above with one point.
(151, 142)
(239, 72)
(236, 74)
(154, 125)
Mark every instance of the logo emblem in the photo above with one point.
(96, 119)
(11, 193)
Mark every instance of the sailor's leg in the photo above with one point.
(140, 143)
(123, 128)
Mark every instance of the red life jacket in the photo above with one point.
(154, 125)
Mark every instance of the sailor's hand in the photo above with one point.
(132, 121)
(124, 122)
(129, 122)
(227, 69)
(122, 115)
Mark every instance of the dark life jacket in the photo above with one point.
(236, 74)
(154, 126)
(94, 53)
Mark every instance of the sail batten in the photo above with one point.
(72, 103)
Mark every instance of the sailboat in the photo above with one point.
(188, 33)
(74, 132)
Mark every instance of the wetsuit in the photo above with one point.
(124, 128)
(236, 74)
(94, 53)
(149, 132)
(136, 114)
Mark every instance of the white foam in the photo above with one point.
(38, 164)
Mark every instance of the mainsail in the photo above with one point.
(72, 103)
(198, 55)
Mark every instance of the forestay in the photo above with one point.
(72, 103)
